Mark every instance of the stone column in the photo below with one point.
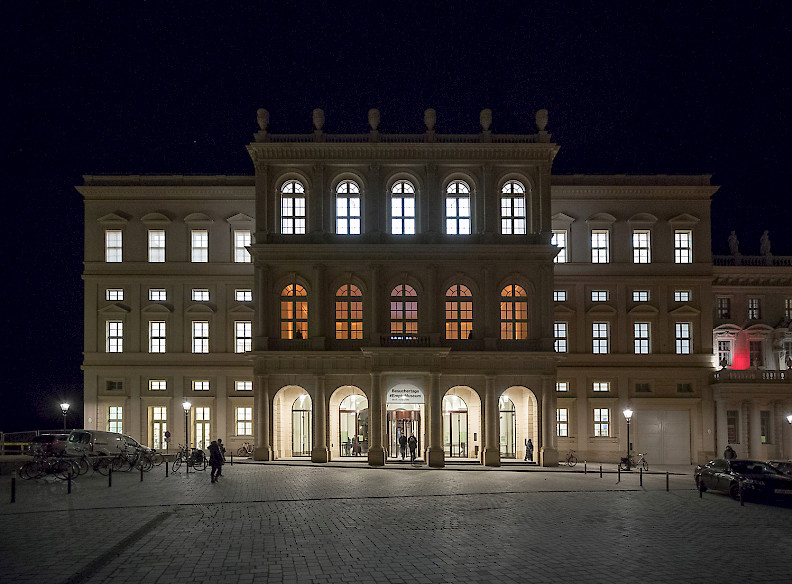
(435, 455)
(320, 451)
(317, 313)
(136, 421)
(548, 453)
(263, 408)
(376, 453)
(260, 296)
(721, 429)
(491, 424)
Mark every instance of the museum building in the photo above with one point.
(361, 288)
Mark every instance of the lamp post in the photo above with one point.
(789, 418)
(628, 416)
(65, 409)
(187, 405)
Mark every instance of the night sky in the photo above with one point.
(170, 87)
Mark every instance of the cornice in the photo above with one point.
(623, 192)
(167, 192)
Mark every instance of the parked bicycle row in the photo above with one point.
(64, 466)
(626, 463)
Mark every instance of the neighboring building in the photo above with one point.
(360, 288)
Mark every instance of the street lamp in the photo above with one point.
(186, 405)
(628, 416)
(789, 418)
(65, 409)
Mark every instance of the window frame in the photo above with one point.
(598, 340)
(348, 313)
(402, 190)
(637, 295)
(114, 246)
(294, 311)
(458, 312)
(200, 294)
(115, 419)
(114, 294)
(562, 422)
(642, 246)
(562, 257)
(510, 201)
(642, 338)
(243, 336)
(156, 245)
(199, 246)
(560, 336)
(683, 338)
(601, 422)
(293, 208)
(683, 246)
(348, 222)
(244, 424)
(114, 336)
(157, 295)
(600, 246)
(241, 239)
(200, 336)
(403, 313)
(458, 194)
(157, 336)
(512, 327)
(245, 293)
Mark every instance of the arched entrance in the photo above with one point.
(526, 421)
(301, 426)
(508, 427)
(349, 422)
(405, 411)
(455, 427)
(291, 422)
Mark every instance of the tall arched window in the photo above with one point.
(403, 208)
(349, 312)
(513, 208)
(294, 312)
(458, 208)
(404, 312)
(348, 208)
(292, 207)
(458, 312)
(514, 313)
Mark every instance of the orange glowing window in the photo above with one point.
(404, 312)
(294, 312)
(458, 312)
(514, 313)
(349, 312)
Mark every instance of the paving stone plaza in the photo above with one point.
(286, 522)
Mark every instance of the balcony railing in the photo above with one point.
(743, 260)
(752, 376)
(405, 341)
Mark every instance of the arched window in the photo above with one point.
(348, 208)
(292, 207)
(514, 313)
(349, 312)
(458, 208)
(458, 312)
(513, 208)
(404, 312)
(294, 312)
(403, 208)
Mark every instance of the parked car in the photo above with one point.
(48, 444)
(759, 479)
(785, 466)
(94, 443)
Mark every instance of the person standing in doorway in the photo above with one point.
(215, 460)
(403, 446)
(412, 442)
(222, 455)
(529, 450)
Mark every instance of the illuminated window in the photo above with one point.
(349, 312)
(348, 208)
(764, 426)
(156, 245)
(115, 419)
(114, 294)
(683, 337)
(113, 245)
(683, 246)
(202, 428)
(560, 337)
(559, 295)
(158, 294)
(724, 307)
(243, 295)
(244, 421)
(641, 247)
(513, 313)
(200, 294)
(403, 208)
(599, 336)
(601, 386)
(562, 386)
(787, 308)
(242, 239)
(200, 385)
(158, 385)
(294, 312)
(199, 246)
(681, 295)
(404, 312)
(559, 239)
(600, 246)
(458, 312)
(513, 208)
(114, 336)
(458, 208)
(754, 309)
(601, 422)
(640, 295)
(159, 426)
(156, 337)
(599, 295)
(200, 336)
(243, 336)
(724, 353)
(641, 338)
(562, 422)
(292, 208)
(243, 385)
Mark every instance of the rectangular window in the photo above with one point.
(559, 295)
(601, 386)
(724, 353)
(243, 385)
(200, 336)
(732, 426)
(242, 240)
(681, 295)
(562, 421)
(244, 421)
(114, 385)
(599, 295)
(158, 385)
(764, 426)
(293, 214)
(754, 309)
(684, 388)
(683, 337)
(560, 335)
(641, 334)
(640, 295)
(683, 246)
(158, 294)
(559, 239)
(200, 385)
(755, 353)
(243, 336)
(200, 294)
(113, 245)
(599, 335)
(199, 246)
(641, 247)
(788, 308)
(642, 388)
(562, 386)
(114, 294)
(156, 337)
(403, 214)
(115, 419)
(601, 422)
(600, 248)
(243, 295)
(724, 307)
(115, 336)
(156, 245)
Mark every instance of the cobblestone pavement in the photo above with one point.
(335, 523)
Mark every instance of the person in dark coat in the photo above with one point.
(222, 455)
(729, 453)
(412, 443)
(403, 446)
(215, 460)
(529, 450)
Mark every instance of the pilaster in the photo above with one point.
(491, 418)
(435, 454)
(263, 418)
(320, 451)
(376, 453)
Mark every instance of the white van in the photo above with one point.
(94, 443)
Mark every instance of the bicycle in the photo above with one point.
(571, 459)
(628, 463)
(195, 458)
(246, 449)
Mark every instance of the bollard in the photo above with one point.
(110, 477)
(166, 468)
(141, 473)
(600, 471)
(13, 489)
(641, 479)
(667, 489)
(618, 472)
(232, 459)
(68, 483)
(585, 468)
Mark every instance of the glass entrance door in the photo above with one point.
(508, 448)
(353, 426)
(455, 427)
(301, 432)
(403, 423)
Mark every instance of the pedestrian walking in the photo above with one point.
(222, 455)
(215, 460)
(729, 453)
(403, 446)
(412, 442)
(529, 450)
